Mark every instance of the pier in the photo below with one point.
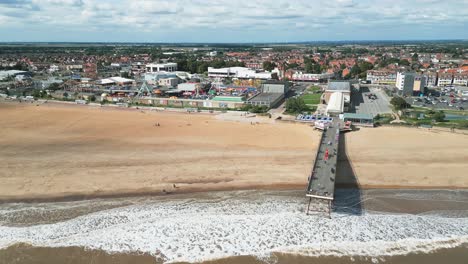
(321, 187)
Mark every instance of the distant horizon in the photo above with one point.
(236, 43)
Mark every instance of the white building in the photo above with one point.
(238, 72)
(444, 79)
(300, 76)
(336, 104)
(168, 82)
(115, 80)
(381, 77)
(460, 79)
(154, 77)
(157, 67)
(53, 68)
(410, 82)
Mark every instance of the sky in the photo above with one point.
(237, 21)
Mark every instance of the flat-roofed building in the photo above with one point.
(154, 77)
(335, 104)
(115, 80)
(157, 67)
(410, 82)
(310, 77)
(359, 119)
(343, 87)
(238, 72)
(273, 86)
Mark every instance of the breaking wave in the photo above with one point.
(241, 223)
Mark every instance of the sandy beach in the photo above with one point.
(54, 150)
(399, 157)
(51, 151)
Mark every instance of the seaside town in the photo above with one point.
(416, 84)
(233, 132)
(145, 153)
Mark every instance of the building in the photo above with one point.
(154, 77)
(359, 119)
(431, 79)
(273, 86)
(115, 81)
(343, 87)
(445, 79)
(460, 79)
(90, 70)
(12, 73)
(272, 92)
(238, 72)
(335, 104)
(381, 77)
(310, 77)
(158, 67)
(410, 82)
(54, 68)
(266, 99)
(168, 82)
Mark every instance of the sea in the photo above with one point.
(255, 226)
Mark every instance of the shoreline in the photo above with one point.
(135, 194)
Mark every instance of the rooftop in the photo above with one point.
(339, 86)
(265, 97)
(228, 98)
(357, 116)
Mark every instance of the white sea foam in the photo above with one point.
(198, 230)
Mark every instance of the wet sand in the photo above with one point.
(426, 204)
(25, 254)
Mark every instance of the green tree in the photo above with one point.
(268, 65)
(125, 75)
(296, 105)
(399, 103)
(404, 62)
(36, 93)
(54, 86)
(92, 98)
(439, 116)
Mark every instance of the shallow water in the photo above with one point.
(372, 224)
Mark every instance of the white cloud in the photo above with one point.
(279, 16)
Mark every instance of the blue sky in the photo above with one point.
(231, 20)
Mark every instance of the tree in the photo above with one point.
(125, 75)
(54, 86)
(65, 94)
(415, 57)
(268, 65)
(399, 103)
(439, 116)
(36, 94)
(404, 62)
(296, 105)
(92, 98)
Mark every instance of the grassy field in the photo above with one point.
(312, 99)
